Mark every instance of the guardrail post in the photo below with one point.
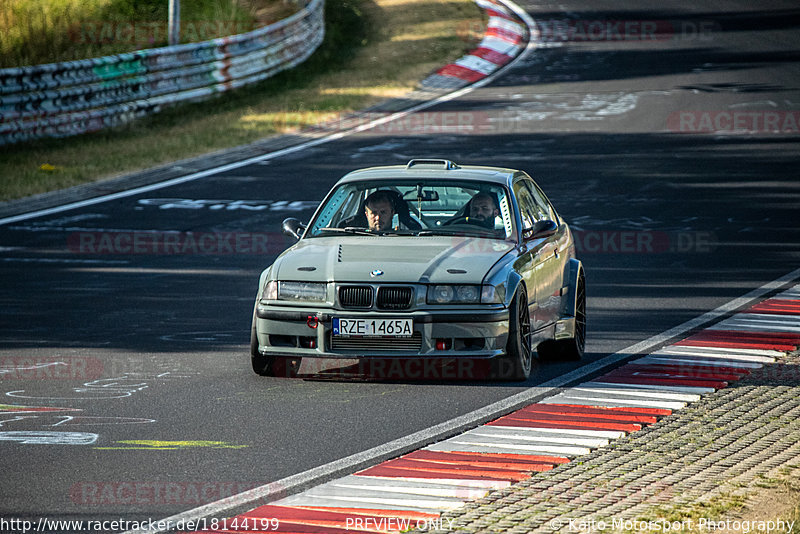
(174, 21)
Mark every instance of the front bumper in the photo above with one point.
(307, 333)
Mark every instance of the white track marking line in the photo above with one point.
(767, 318)
(520, 448)
(477, 64)
(752, 322)
(588, 387)
(606, 434)
(473, 483)
(400, 503)
(680, 389)
(509, 436)
(598, 400)
(447, 446)
(505, 25)
(681, 362)
(727, 356)
(491, 5)
(328, 491)
(789, 294)
(401, 485)
(498, 45)
(565, 434)
(725, 351)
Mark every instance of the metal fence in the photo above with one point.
(74, 97)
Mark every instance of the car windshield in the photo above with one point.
(420, 207)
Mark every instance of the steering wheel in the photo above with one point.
(457, 220)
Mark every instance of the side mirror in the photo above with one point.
(541, 229)
(293, 228)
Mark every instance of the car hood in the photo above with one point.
(399, 259)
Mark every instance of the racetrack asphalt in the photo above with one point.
(677, 214)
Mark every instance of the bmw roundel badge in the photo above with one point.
(376, 272)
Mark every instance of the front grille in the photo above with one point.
(366, 344)
(394, 298)
(355, 296)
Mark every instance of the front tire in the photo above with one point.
(517, 364)
(262, 365)
(283, 366)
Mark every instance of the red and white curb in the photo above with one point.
(415, 489)
(503, 40)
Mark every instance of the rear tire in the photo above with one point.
(517, 364)
(571, 348)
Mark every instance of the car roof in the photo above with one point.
(439, 169)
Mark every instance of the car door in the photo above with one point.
(543, 274)
(530, 263)
(556, 250)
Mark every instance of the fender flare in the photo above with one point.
(574, 271)
(512, 283)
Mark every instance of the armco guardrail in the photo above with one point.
(64, 99)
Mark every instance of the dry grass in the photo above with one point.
(744, 509)
(374, 50)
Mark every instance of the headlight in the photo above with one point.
(456, 294)
(296, 291)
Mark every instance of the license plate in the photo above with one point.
(373, 327)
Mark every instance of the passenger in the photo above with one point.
(483, 209)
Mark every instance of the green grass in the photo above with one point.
(373, 50)
(38, 31)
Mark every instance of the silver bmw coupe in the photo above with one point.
(430, 260)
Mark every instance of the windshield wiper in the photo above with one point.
(456, 232)
(357, 230)
(348, 230)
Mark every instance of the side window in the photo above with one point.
(545, 208)
(528, 210)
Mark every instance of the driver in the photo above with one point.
(483, 209)
(379, 210)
